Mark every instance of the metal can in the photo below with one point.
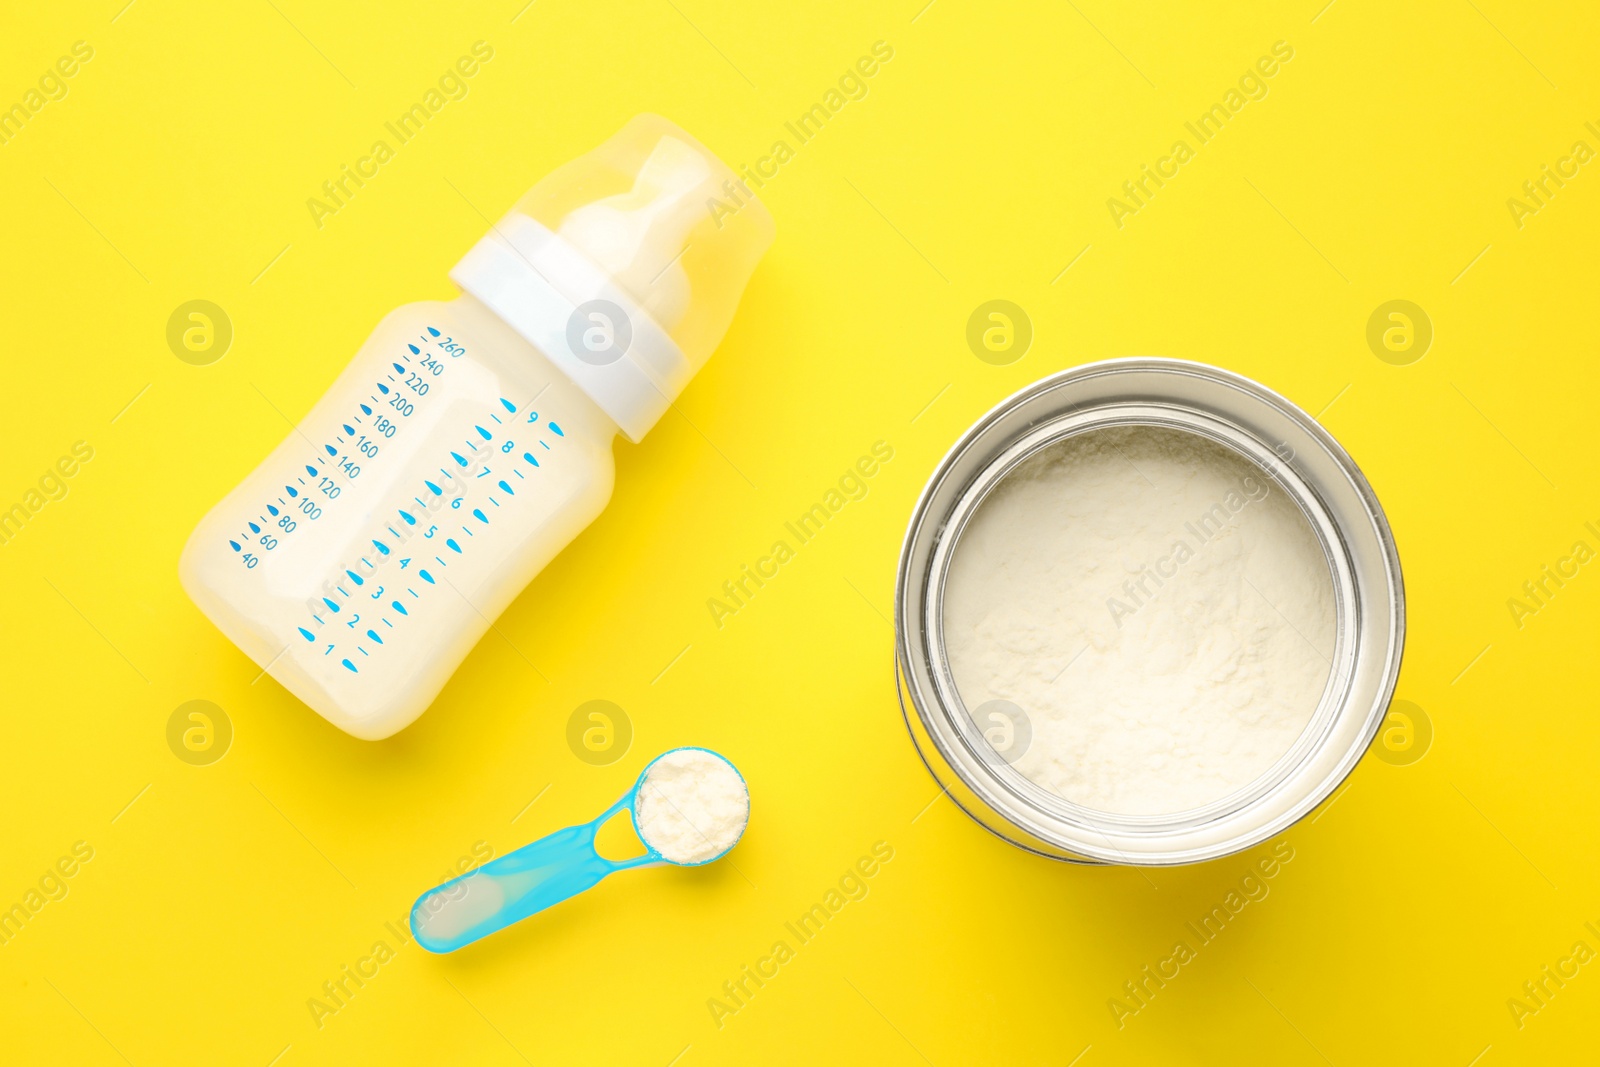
(1302, 459)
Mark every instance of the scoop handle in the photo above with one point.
(514, 886)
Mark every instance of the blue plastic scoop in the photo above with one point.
(540, 874)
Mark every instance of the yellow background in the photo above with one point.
(221, 897)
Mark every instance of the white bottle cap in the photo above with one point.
(624, 266)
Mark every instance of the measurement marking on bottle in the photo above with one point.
(474, 447)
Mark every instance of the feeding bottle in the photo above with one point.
(470, 440)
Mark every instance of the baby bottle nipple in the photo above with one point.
(637, 237)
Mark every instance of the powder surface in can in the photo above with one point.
(1140, 619)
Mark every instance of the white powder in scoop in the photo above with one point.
(1156, 606)
(692, 807)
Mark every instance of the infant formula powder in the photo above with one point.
(1150, 610)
